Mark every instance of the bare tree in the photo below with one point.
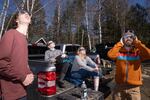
(99, 20)
(82, 38)
(32, 6)
(87, 25)
(3, 15)
(58, 20)
(22, 3)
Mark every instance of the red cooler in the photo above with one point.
(47, 82)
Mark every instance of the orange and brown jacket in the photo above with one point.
(128, 63)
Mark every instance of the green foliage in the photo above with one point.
(71, 22)
(38, 24)
(137, 20)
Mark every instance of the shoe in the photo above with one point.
(105, 80)
(61, 84)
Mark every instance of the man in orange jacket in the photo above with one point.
(128, 55)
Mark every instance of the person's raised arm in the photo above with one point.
(113, 53)
(144, 51)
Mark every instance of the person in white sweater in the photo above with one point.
(55, 57)
(83, 67)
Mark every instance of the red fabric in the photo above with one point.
(13, 64)
(48, 76)
(47, 90)
(43, 79)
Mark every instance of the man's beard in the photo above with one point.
(128, 44)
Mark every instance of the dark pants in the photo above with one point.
(62, 69)
(23, 98)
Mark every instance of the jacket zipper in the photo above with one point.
(127, 64)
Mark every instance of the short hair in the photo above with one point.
(13, 23)
(49, 42)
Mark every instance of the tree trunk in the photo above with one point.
(3, 16)
(87, 26)
(32, 6)
(82, 38)
(58, 21)
(99, 21)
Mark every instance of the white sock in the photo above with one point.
(96, 83)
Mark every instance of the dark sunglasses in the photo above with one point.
(81, 49)
(131, 31)
(129, 36)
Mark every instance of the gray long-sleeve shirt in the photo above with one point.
(86, 64)
(50, 55)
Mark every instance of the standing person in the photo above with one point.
(128, 55)
(84, 67)
(15, 74)
(52, 55)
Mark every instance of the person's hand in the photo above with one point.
(96, 69)
(28, 80)
(135, 39)
(97, 66)
(121, 40)
(64, 55)
(98, 61)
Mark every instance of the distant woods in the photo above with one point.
(86, 22)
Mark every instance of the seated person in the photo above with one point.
(84, 67)
(51, 55)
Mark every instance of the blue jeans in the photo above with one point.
(82, 74)
(78, 76)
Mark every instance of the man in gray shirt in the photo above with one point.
(52, 55)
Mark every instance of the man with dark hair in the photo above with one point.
(128, 55)
(15, 74)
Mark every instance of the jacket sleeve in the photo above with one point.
(82, 64)
(144, 51)
(113, 53)
(6, 70)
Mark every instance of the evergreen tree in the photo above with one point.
(38, 24)
(137, 20)
(73, 20)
